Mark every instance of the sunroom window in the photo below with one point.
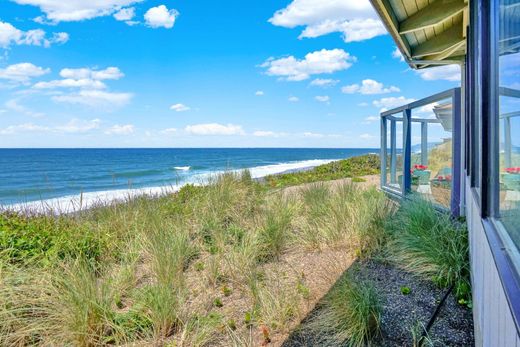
(509, 115)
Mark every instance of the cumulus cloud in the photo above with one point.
(79, 126)
(9, 35)
(322, 98)
(180, 108)
(446, 72)
(71, 83)
(25, 127)
(117, 129)
(355, 19)
(110, 73)
(214, 129)
(262, 133)
(396, 53)
(294, 99)
(16, 106)
(324, 82)
(259, 93)
(95, 98)
(76, 10)
(22, 72)
(391, 102)
(318, 62)
(368, 87)
(160, 17)
(125, 14)
(169, 131)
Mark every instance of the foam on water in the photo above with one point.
(74, 203)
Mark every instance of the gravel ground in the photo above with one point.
(401, 313)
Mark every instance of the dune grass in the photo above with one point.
(431, 244)
(351, 314)
(203, 266)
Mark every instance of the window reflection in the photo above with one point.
(509, 115)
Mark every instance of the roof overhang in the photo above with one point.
(426, 32)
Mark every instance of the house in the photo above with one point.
(473, 168)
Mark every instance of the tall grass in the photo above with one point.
(351, 314)
(431, 244)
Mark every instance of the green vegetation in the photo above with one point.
(405, 290)
(157, 270)
(351, 167)
(351, 315)
(431, 244)
(211, 265)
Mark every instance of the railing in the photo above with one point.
(434, 169)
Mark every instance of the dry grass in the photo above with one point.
(219, 265)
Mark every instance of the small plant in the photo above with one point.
(248, 318)
(218, 302)
(199, 266)
(405, 290)
(227, 291)
(232, 324)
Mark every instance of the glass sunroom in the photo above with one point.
(461, 148)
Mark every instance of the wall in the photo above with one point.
(494, 325)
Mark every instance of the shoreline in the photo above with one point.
(70, 204)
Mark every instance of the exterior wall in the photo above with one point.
(493, 321)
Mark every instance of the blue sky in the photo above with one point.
(127, 73)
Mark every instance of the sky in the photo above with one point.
(191, 73)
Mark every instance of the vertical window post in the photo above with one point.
(457, 153)
(384, 153)
(407, 146)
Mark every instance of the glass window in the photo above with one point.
(394, 153)
(431, 154)
(509, 115)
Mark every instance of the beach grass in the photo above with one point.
(204, 264)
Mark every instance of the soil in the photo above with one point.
(403, 314)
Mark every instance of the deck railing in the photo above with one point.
(434, 168)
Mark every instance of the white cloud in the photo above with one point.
(396, 53)
(71, 83)
(318, 62)
(117, 129)
(37, 37)
(446, 72)
(370, 119)
(95, 98)
(391, 102)
(180, 108)
(259, 93)
(125, 14)
(324, 82)
(367, 136)
(160, 17)
(76, 10)
(25, 127)
(214, 129)
(322, 98)
(355, 19)
(79, 126)
(110, 73)
(169, 131)
(368, 87)
(313, 135)
(15, 106)
(261, 133)
(363, 104)
(294, 99)
(22, 72)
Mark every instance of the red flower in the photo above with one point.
(448, 178)
(513, 170)
(440, 178)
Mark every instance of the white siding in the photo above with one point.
(494, 325)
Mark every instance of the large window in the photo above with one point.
(508, 47)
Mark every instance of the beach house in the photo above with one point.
(460, 148)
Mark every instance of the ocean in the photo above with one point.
(68, 179)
